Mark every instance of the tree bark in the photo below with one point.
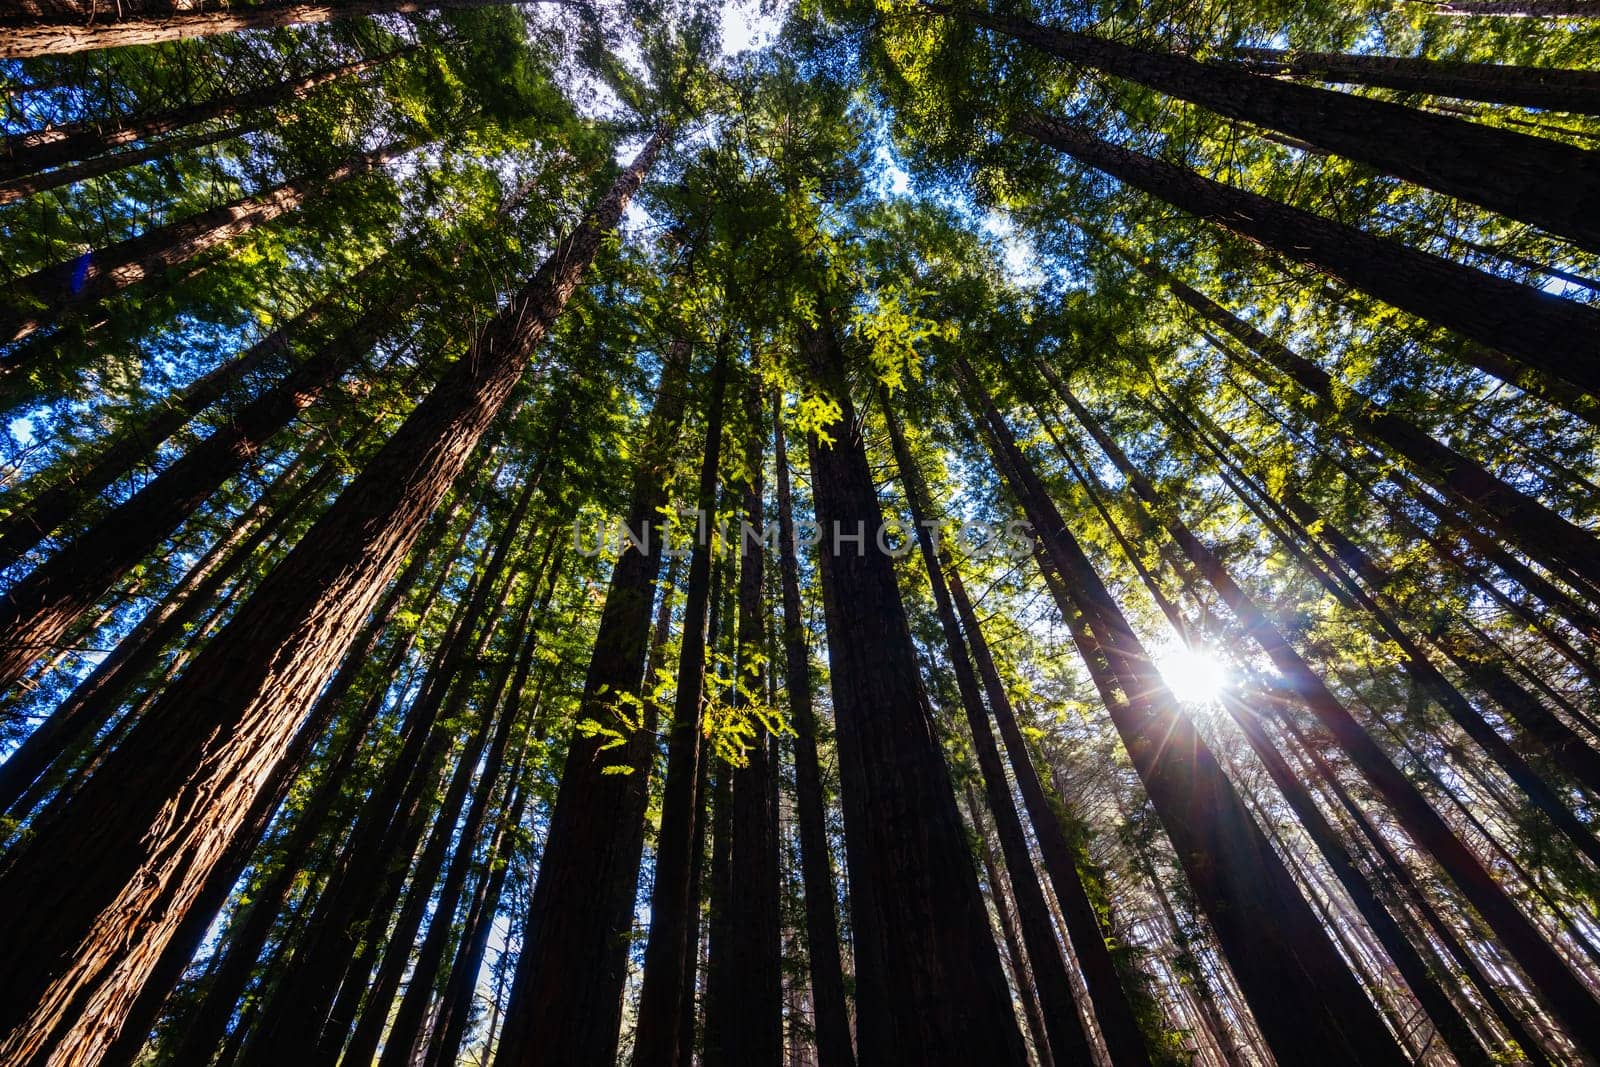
(566, 999)
(24, 155)
(667, 956)
(1305, 999)
(1506, 172)
(39, 609)
(14, 189)
(1522, 9)
(97, 893)
(1549, 88)
(930, 986)
(61, 27)
(1548, 334)
(831, 1016)
(43, 297)
(1068, 1037)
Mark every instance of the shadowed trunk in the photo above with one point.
(109, 880)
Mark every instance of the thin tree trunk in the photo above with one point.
(97, 893)
(1304, 997)
(39, 609)
(831, 1015)
(15, 189)
(1551, 88)
(667, 956)
(43, 297)
(1069, 1038)
(1510, 173)
(1544, 332)
(754, 1036)
(1526, 9)
(930, 987)
(565, 1005)
(60, 27)
(28, 154)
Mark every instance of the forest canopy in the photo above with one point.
(799, 532)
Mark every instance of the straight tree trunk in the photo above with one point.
(1544, 332)
(1305, 999)
(28, 154)
(754, 1008)
(43, 297)
(1550, 88)
(1544, 183)
(566, 998)
(1516, 516)
(46, 510)
(1521, 9)
(1549, 973)
(14, 189)
(98, 892)
(37, 611)
(930, 986)
(668, 954)
(61, 27)
(1068, 1037)
(831, 1016)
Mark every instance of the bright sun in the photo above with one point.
(1194, 675)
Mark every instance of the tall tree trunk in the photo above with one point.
(1549, 973)
(1544, 332)
(1526, 9)
(1551, 88)
(831, 1016)
(25, 154)
(14, 189)
(41, 298)
(1510, 173)
(38, 610)
(1518, 517)
(97, 893)
(566, 999)
(42, 513)
(753, 1008)
(1069, 1039)
(930, 987)
(1305, 999)
(667, 956)
(60, 27)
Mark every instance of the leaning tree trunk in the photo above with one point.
(1520, 9)
(565, 1005)
(93, 898)
(24, 155)
(1550, 88)
(43, 297)
(1306, 1001)
(60, 27)
(37, 611)
(667, 956)
(14, 189)
(1545, 183)
(831, 1016)
(1542, 963)
(1068, 1039)
(1547, 333)
(930, 986)
(41, 514)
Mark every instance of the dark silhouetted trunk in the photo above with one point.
(1305, 999)
(1544, 332)
(1551, 88)
(930, 988)
(15, 189)
(1521, 9)
(25, 154)
(667, 957)
(99, 891)
(831, 1017)
(40, 298)
(1068, 1039)
(1493, 167)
